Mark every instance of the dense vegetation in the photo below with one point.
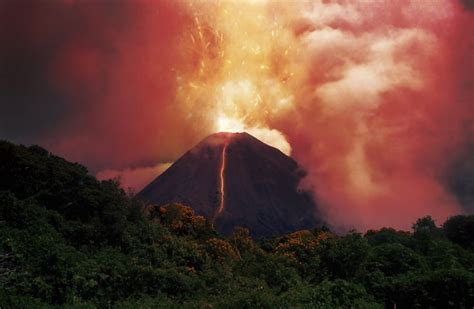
(67, 239)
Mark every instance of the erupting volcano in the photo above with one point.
(235, 179)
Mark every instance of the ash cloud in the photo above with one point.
(374, 97)
(384, 110)
(93, 80)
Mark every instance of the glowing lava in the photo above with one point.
(240, 70)
(222, 181)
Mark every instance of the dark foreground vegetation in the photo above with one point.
(69, 240)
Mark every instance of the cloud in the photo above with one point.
(380, 108)
(134, 178)
(372, 98)
(94, 81)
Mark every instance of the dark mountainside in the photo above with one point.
(260, 186)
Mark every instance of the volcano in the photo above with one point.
(234, 179)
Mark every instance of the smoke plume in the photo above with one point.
(372, 98)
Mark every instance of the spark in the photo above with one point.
(239, 69)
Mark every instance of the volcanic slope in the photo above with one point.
(235, 179)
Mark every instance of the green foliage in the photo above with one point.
(389, 235)
(435, 289)
(343, 257)
(460, 230)
(332, 294)
(69, 240)
(393, 258)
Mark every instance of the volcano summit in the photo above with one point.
(235, 179)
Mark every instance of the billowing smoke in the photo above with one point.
(385, 107)
(372, 98)
(95, 81)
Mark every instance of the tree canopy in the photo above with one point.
(67, 239)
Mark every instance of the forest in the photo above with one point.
(69, 240)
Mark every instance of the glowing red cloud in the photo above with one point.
(374, 97)
(383, 111)
(119, 77)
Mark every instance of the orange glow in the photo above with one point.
(222, 181)
(371, 98)
(236, 75)
(352, 88)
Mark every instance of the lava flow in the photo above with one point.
(222, 181)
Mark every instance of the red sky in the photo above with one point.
(372, 98)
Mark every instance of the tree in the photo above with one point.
(425, 225)
(460, 230)
(393, 259)
(343, 257)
